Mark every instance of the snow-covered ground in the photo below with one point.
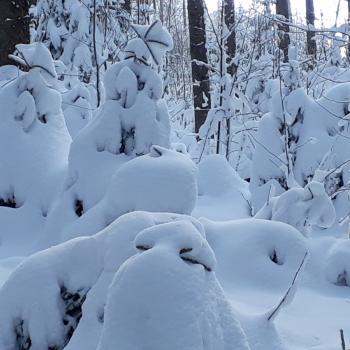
(113, 237)
(256, 263)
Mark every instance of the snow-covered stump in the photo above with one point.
(132, 119)
(73, 290)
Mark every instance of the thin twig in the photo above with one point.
(289, 289)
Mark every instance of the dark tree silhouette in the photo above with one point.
(14, 26)
(310, 20)
(283, 9)
(231, 39)
(198, 51)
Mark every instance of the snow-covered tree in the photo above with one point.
(132, 119)
(76, 32)
(34, 140)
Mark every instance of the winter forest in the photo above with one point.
(174, 175)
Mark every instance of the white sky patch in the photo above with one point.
(327, 7)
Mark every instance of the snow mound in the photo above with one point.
(167, 296)
(217, 177)
(70, 282)
(256, 263)
(255, 253)
(337, 266)
(261, 333)
(220, 187)
(161, 181)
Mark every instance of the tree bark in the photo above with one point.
(229, 8)
(283, 9)
(14, 27)
(198, 51)
(310, 20)
(127, 6)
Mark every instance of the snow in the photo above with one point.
(135, 314)
(77, 108)
(132, 119)
(222, 194)
(255, 263)
(49, 273)
(162, 181)
(337, 264)
(33, 128)
(311, 207)
(119, 229)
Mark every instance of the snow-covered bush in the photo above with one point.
(34, 140)
(302, 208)
(78, 285)
(300, 140)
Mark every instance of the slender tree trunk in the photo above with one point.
(95, 55)
(184, 14)
(198, 51)
(310, 21)
(14, 27)
(231, 39)
(283, 9)
(161, 11)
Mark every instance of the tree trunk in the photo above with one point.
(184, 14)
(229, 8)
(14, 27)
(283, 9)
(127, 6)
(198, 51)
(161, 11)
(310, 20)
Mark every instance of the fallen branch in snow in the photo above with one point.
(286, 295)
